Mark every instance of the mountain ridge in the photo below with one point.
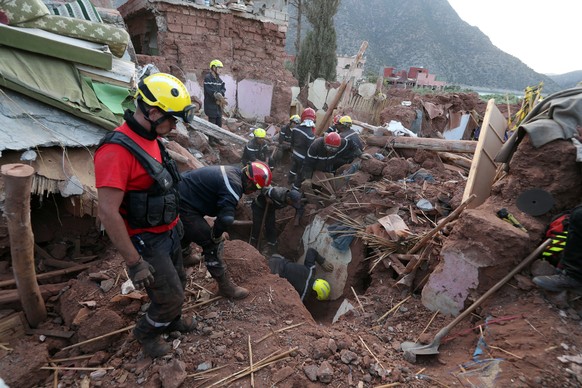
(429, 34)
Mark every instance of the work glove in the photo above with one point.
(327, 266)
(365, 156)
(141, 274)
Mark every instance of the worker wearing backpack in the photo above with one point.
(570, 277)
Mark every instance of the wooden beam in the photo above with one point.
(215, 131)
(422, 143)
(323, 124)
(51, 274)
(17, 183)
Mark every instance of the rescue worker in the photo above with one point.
(325, 155)
(570, 277)
(333, 127)
(138, 204)
(302, 276)
(344, 127)
(257, 148)
(214, 92)
(215, 191)
(301, 138)
(264, 207)
(284, 140)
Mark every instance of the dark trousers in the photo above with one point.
(164, 253)
(572, 259)
(216, 120)
(294, 177)
(197, 230)
(270, 231)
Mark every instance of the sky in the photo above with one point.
(543, 34)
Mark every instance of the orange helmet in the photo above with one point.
(308, 114)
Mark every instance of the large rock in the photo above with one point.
(102, 322)
(481, 250)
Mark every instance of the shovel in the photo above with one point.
(433, 348)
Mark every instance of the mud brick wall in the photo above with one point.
(183, 38)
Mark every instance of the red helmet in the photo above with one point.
(258, 173)
(332, 139)
(336, 119)
(308, 114)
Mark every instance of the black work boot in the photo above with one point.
(182, 324)
(149, 337)
(228, 289)
(558, 282)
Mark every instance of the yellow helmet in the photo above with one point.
(167, 93)
(295, 118)
(322, 288)
(259, 133)
(215, 62)
(346, 120)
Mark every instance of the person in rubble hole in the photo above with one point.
(215, 191)
(138, 205)
(302, 276)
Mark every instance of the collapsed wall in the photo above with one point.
(482, 248)
(182, 38)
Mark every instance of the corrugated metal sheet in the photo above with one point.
(26, 123)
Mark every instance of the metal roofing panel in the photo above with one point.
(26, 123)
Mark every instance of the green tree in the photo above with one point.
(317, 57)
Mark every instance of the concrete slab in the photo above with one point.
(367, 90)
(254, 99)
(318, 93)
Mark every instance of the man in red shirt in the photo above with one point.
(138, 204)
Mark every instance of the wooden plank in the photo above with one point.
(122, 73)
(51, 333)
(483, 168)
(392, 262)
(58, 46)
(12, 326)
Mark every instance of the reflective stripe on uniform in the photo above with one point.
(227, 183)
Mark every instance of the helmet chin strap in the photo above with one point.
(153, 124)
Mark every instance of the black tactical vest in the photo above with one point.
(157, 205)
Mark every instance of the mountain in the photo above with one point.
(430, 34)
(568, 80)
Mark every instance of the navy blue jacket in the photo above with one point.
(212, 85)
(212, 191)
(301, 276)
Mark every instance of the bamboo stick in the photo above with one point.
(372, 353)
(279, 331)
(442, 224)
(75, 368)
(98, 338)
(393, 308)
(358, 299)
(48, 275)
(251, 363)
